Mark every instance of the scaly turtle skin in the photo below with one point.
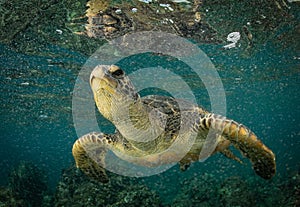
(171, 122)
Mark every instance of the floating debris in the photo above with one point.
(146, 1)
(43, 116)
(59, 31)
(181, 1)
(118, 11)
(233, 37)
(167, 6)
(25, 84)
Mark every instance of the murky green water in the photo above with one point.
(262, 92)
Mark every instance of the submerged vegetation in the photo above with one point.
(74, 189)
(27, 187)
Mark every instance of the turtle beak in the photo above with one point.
(99, 78)
(98, 72)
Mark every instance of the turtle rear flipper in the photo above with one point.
(89, 152)
(261, 157)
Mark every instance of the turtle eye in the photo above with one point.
(118, 74)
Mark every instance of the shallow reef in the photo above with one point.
(75, 189)
(7, 198)
(238, 191)
(27, 186)
(198, 191)
(233, 188)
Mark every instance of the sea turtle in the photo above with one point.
(170, 121)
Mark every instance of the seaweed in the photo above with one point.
(28, 183)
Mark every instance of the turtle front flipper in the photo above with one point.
(89, 152)
(261, 157)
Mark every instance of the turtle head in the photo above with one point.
(112, 89)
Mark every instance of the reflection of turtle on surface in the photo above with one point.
(157, 130)
(108, 19)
